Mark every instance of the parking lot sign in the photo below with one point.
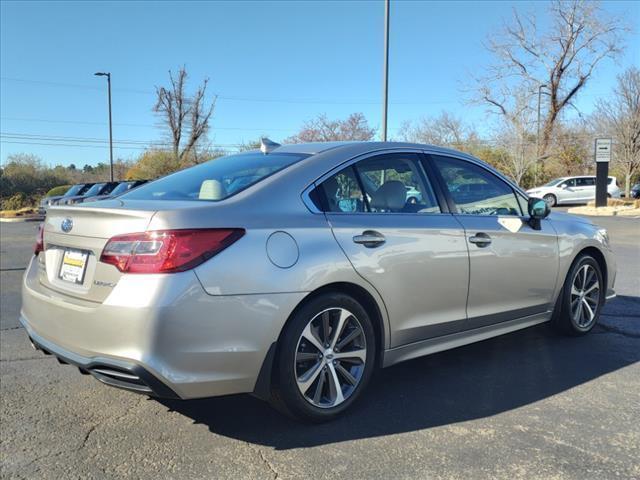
(603, 157)
(603, 150)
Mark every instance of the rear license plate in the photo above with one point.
(74, 264)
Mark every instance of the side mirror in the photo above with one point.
(563, 186)
(538, 210)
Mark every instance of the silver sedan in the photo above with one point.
(294, 272)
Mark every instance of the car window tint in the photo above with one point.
(585, 182)
(474, 190)
(395, 183)
(571, 182)
(342, 193)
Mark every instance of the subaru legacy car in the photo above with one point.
(573, 190)
(298, 281)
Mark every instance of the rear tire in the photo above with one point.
(319, 374)
(551, 199)
(580, 302)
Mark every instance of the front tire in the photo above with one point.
(582, 297)
(550, 199)
(325, 358)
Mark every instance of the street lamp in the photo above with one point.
(385, 86)
(108, 75)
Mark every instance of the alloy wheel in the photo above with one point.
(330, 357)
(585, 296)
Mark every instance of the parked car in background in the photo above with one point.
(74, 190)
(121, 188)
(635, 191)
(579, 189)
(103, 188)
(298, 285)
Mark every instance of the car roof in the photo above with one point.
(313, 148)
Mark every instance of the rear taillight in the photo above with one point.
(39, 246)
(167, 251)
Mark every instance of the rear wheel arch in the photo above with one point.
(362, 296)
(267, 374)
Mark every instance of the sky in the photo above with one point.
(273, 65)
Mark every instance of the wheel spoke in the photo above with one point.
(306, 356)
(592, 301)
(342, 322)
(578, 312)
(355, 333)
(346, 374)
(325, 327)
(590, 274)
(585, 269)
(350, 356)
(574, 290)
(308, 335)
(595, 286)
(305, 381)
(318, 393)
(588, 310)
(334, 386)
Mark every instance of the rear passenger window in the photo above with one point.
(342, 193)
(585, 182)
(393, 183)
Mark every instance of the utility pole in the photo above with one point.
(108, 75)
(385, 82)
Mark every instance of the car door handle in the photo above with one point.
(370, 239)
(481, 240)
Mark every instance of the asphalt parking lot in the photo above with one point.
(526, 405)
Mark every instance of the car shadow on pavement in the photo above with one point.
(467, 383)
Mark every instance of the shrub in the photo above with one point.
(16, 202)
(60, 190)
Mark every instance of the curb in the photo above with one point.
(36, 218)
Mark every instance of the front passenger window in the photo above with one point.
(475, 190)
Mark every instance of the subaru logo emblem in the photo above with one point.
(67, 225)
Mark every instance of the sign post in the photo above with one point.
(603, 157)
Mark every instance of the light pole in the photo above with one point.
(535, 166)
(108, 75)
(385, 82)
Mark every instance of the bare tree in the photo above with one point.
(562, 59)
(322, 129)
(515, 137)
(444, 130)
(186, 117)
(620, 118)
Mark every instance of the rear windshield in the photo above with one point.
(215, 180)
(94, 190)
(74, 190)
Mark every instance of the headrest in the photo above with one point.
(212, 190)
(391, 195)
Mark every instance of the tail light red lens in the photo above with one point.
(39, 246)
(167, 251)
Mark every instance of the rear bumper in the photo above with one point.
(117, 373)
(165, 330)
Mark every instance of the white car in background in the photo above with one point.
(580, 189)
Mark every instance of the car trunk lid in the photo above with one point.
(74, 238)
